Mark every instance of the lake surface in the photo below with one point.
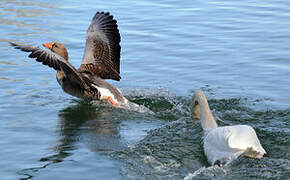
(237, 52)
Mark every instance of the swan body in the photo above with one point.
(224, 143)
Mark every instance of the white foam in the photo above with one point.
(208, 171)
(135, 107)
(213, 170)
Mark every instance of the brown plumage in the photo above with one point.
(101, 61)
(102, 51)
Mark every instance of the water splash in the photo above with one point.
(175, 149)
(211, 171)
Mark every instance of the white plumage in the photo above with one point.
(105, 93)
(224, 143)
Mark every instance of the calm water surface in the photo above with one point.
(237, 52)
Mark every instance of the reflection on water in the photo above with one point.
(101, 129)
(96, 125)
(85, 123)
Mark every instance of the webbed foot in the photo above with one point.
(111, 101)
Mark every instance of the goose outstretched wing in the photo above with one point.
(52, 60)
(102, 51)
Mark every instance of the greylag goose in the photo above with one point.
(101, 60)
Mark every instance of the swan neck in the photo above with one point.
(207, 120)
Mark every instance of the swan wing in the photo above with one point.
(226, 142)
(216, 145)
(244, 137)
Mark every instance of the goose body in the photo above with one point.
(224, 143)
(101, 60)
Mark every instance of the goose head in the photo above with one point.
(58, 48)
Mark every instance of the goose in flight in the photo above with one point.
(224, 143)
(101, 60)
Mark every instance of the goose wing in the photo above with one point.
(52, 60)
(102, 51)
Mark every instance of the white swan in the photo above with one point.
(224, 143)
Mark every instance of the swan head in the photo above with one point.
(197, 98)
(200, 110)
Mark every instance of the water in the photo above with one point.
(237, 52)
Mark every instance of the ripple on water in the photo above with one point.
(239, 48)
(175, 150)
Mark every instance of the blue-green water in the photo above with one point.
(237, 52)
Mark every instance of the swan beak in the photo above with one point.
(111, 101)
(48, 45)
(195, 111)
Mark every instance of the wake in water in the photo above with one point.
(174, 151)
(206, 171)
(129, 106)
(146, 100)
(213, 170)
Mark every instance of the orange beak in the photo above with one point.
(48, 45)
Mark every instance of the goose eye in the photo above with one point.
(54, 45)
(195, 103)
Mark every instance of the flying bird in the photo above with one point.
(101, 60)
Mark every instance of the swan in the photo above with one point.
(222, 144)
